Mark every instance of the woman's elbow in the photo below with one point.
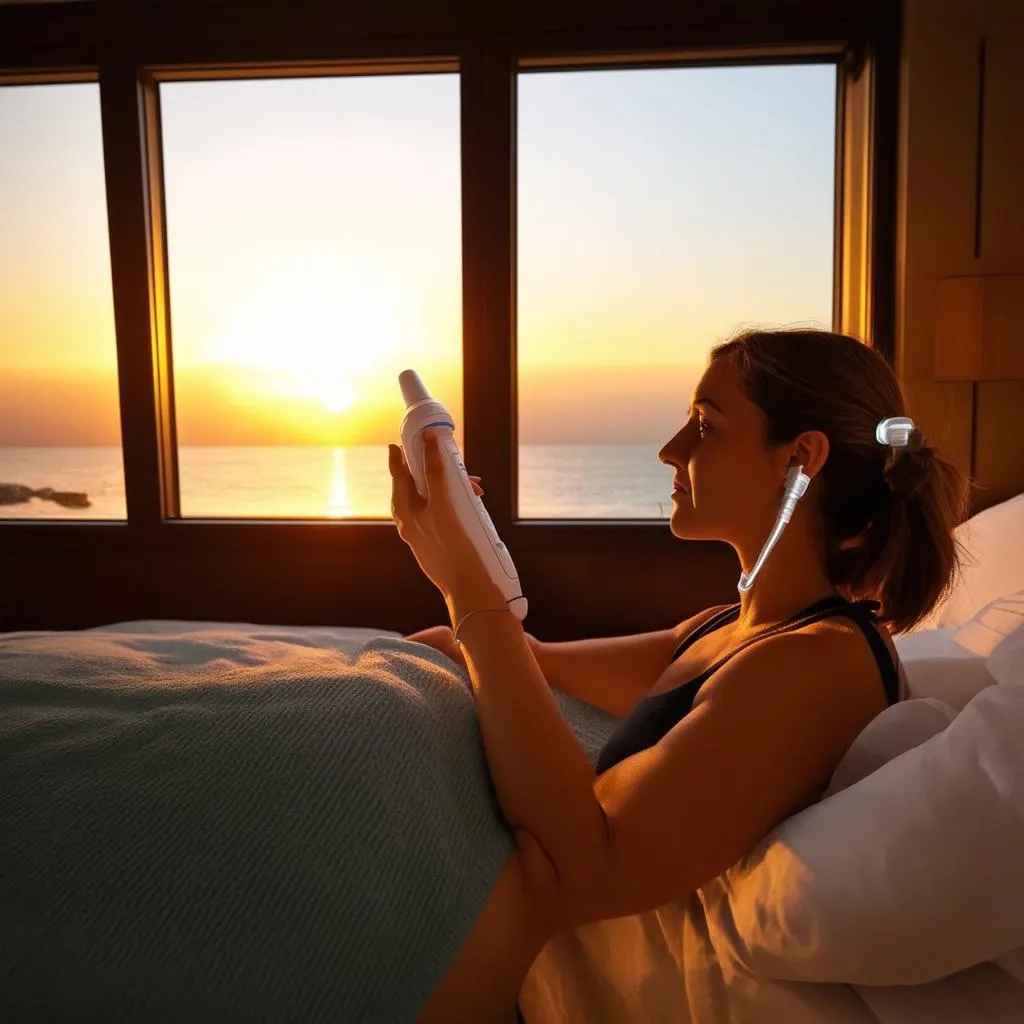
(565, 898)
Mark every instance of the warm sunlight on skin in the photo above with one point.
(316, 331)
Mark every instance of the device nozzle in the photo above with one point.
(412, 387)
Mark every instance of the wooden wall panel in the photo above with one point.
(944, 230)
(571, 594)
(936, 209)
(1000, 427)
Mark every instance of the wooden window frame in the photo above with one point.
(156, 565)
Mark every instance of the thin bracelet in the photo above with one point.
(476, 611)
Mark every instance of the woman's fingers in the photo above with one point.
(399, 486)
(475, 483)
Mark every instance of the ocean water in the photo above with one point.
(555, 482)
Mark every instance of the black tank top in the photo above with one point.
(654, 716)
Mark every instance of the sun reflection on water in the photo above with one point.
(339, 502)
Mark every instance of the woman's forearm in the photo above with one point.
(612, 673)
(543, 779)
(442, 639)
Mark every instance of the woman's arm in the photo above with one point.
(764, 741)
(612, 673)
(441, 639)
(760, 745)
(543, 778)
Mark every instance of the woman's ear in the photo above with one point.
(810, 450)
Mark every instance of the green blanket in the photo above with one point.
(220, 826)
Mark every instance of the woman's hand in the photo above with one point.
(429, 525)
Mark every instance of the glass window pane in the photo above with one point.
(659, 210)
(314, 247)
(60, 433)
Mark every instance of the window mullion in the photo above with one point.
(885, 71)
(134, 208)
(853, 195)
(866, 191)
(488, 87)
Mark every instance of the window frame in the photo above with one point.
(129, 49)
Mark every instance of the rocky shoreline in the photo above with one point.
(18, 494)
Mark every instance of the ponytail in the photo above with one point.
(908, 557)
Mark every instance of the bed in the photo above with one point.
(921, 922)
(205, 821)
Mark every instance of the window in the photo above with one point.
(314, 252)
(60, 442)
(659, 210)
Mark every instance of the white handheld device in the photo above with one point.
(422, 411)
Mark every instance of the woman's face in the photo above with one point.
(730, 483)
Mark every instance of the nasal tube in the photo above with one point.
(796, 485)
(423, 411)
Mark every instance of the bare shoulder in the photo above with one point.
(687, 626)
(850, 643)
(763, 738)
(827, 666)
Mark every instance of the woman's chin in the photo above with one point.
(685, 523)
(679, 520)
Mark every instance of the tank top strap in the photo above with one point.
(730, 614)
(869, 607)
(709, 625)
(863, 614)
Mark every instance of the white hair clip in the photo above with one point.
(895, 431)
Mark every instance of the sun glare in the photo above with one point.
(320, 331)
(338, 397)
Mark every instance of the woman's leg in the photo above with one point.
(483, 982)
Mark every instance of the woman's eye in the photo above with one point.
(703, 426)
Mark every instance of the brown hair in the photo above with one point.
(888, 513)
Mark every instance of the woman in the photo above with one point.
(734, 719)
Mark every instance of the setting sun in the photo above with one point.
(318, 330)
(314, 250)
(341, 397)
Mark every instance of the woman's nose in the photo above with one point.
(677, 451)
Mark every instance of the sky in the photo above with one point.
(314, 248)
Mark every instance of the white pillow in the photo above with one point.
(913, 873)
(953, 665)
(992, 626)
(994, 540)
(1006, 662)
(899, 728)
(937, 666)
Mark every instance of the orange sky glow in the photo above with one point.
(314, 246)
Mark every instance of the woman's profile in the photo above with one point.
(735, 718)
